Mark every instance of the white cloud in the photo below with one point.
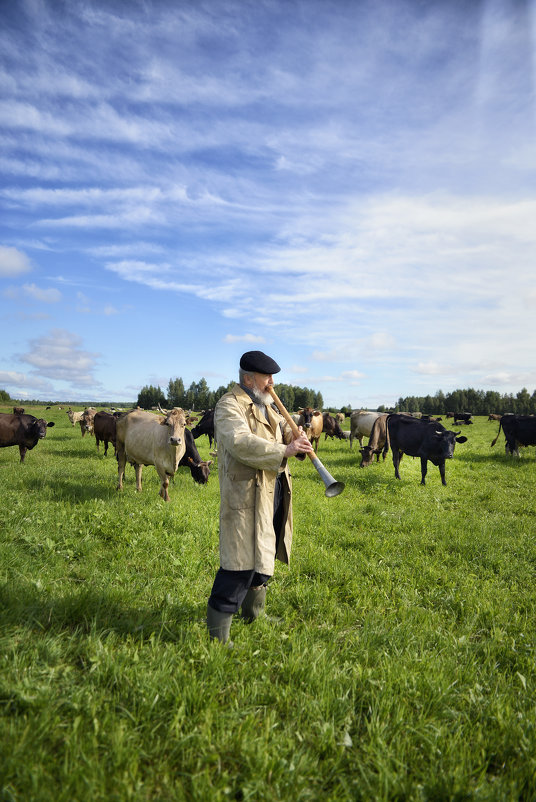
(12, 378)
(13, 262)
(50, 296)
(58, 355)
(243, 338)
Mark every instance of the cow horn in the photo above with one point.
(163, 411)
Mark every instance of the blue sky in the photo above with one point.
(349, 186)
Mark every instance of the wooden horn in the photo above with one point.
(333, 488)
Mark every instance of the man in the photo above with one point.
(254, 444)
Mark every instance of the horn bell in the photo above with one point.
(333, 488)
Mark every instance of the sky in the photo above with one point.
(346, 185)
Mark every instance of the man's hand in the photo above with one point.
(300, 445)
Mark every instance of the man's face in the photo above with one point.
(261, 381)
(258, 384)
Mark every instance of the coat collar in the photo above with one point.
(246, 401)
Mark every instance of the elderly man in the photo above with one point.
(254, 444)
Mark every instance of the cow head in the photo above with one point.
(444, 443)
(307, 414)
(200, 470)
(176, 421)
(38, 427)
(367, 456)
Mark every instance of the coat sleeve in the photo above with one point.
(233, 433)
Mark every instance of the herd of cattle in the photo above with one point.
(165, 441)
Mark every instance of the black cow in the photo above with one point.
(463, 417)
(23, 431)
(417, 438)
(332, 427)
(104, 429)
(205, 426)
(191, 458)
(519, 430)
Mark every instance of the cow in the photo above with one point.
(332, 427)
(376, 443)
(205, 426)
(23, 431)
(74, 417)
(18, 410)
(463, 417)
(86, 421)
(429, 441)
(361, 423)
(494, 416)
(312, 422)
(84, 418)
(104, 429)
(146, 439)
(519, 430)
(340, 416)
(191, 458)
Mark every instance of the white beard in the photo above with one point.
(263, 398)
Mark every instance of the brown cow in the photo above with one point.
(86, 421)
(331, 427)
(312, 422)
(147, 439)
(18, 410)
(104, 429)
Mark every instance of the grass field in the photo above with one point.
(402, 667)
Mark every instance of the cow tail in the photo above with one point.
(387, 444)
(498, 433)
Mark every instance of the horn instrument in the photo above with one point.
(333, 488)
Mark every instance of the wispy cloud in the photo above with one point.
(59, 356)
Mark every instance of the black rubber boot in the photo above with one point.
(253, 604)
(218, 624)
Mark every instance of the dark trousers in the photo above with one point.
(230, 587)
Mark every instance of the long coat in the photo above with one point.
(251, 452)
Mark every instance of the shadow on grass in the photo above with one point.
(497, 457)
(85, 610)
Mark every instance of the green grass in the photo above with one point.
(402, 668)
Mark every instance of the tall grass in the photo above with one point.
(401, 666)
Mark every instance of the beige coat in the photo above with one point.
(250, 454)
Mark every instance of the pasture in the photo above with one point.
(402, 666)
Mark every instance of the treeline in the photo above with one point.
(199, 396)
(478, 402)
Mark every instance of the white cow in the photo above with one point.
(361, 424)
(147, 439)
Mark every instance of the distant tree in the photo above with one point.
(150, 396)
(523, 402)
(285, 393)
(175, 393)
(202, 395)
(318, 402)
(4, 396)
(218, 394)
(189, 400)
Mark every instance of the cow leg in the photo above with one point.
(138, 469)
(121, 462)
(424, 469)
(396, 462)
(105, 448)
(22, 452)
(164, 487)
(441, 467)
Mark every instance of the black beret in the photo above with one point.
(258, 362)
